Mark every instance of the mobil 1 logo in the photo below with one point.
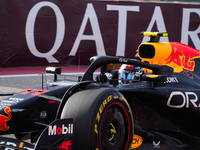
(57, 130)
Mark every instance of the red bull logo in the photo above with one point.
(4, 119)
(129, 67)
(182, 57)
(66, 145)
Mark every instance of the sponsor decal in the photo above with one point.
(152, 76)
(4, 119)
(123, 60)
(178, 99)
(43, 114)
(55, 130)
(171, 80)
(65, 145)
(129, 67)
(108, 75)
(58, 129)
(8, 102)
(16, 99)
(102, 106)
(137, 141)
(188, 73)
(17, 145)
(183, 56)
(156, 144)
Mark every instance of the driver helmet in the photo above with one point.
(128, 73)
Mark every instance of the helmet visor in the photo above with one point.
(126, 76)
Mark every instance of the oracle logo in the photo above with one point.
(178, 99)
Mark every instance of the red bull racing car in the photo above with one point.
(148, 104)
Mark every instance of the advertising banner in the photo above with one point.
(69, 32)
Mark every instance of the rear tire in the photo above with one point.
(102, 119)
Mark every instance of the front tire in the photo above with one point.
(102, 119)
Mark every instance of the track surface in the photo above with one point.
(38, 70)
(14, 80)
(17, 79)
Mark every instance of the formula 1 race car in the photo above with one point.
(156, 108)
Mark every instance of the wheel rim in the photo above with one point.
(111, 132)
(114, 128)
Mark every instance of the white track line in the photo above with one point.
(33, 75)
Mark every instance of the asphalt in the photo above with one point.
(14, 80)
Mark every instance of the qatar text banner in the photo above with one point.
(69, 32)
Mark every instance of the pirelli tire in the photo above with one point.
(102, 119)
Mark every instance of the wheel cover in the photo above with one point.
(114, 128)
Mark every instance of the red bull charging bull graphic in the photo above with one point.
(4, 119)
(182, 56)
(176, 55)
(65, 146)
